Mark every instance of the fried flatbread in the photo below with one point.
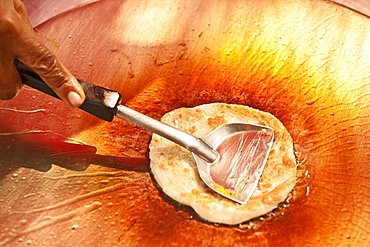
(175, 170)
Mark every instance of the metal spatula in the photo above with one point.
(230, 159)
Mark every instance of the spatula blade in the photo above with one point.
(243, 151)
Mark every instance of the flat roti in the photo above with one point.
(175, 170)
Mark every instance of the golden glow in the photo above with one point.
(288, 47)
(148, 24)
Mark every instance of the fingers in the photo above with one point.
(10, 82)
(20, 8)
(18, 41)
(52, 71)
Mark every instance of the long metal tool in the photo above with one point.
(230, 159)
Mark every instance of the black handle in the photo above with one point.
(100, 101)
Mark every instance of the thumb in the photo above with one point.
(39, 58)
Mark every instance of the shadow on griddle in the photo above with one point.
(41, 150)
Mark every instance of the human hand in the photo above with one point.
(18, 41)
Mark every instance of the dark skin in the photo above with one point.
(19, 41)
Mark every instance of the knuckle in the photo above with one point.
(45, 62)
(20, 7)
(47, 67)
(8, 26)
(60, 84)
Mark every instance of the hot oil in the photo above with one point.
(281, 51)
(119, 139)
(155, 208)
(161, 97)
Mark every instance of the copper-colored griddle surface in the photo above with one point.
(306, 62)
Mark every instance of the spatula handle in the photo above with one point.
(100, 101)
(104, 103)
(186, 140)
